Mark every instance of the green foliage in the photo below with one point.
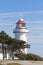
(3, 37)
(29, 57)
(21, 56)
(12, 43)
(33, 57)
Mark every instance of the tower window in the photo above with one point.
(23, 25)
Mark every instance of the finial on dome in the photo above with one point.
(21, 19)
(20, 16)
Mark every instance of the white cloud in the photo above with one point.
(4, 17)
(18, 14)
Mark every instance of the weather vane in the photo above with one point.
(20, 15)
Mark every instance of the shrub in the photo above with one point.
(29, 56)
(33, 57)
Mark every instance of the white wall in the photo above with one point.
(1, 56)
(21, 36)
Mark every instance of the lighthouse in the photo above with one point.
(21, 31)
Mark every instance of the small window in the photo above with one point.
(23, 25)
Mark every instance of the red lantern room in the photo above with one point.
(20, 24)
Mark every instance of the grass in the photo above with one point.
(13, 64)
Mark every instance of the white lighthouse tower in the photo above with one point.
(21, 31)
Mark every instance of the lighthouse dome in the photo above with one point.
(20, 21)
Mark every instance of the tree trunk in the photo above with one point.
(12, 55)
(5, 53)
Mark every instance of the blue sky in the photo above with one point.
(32, 13)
